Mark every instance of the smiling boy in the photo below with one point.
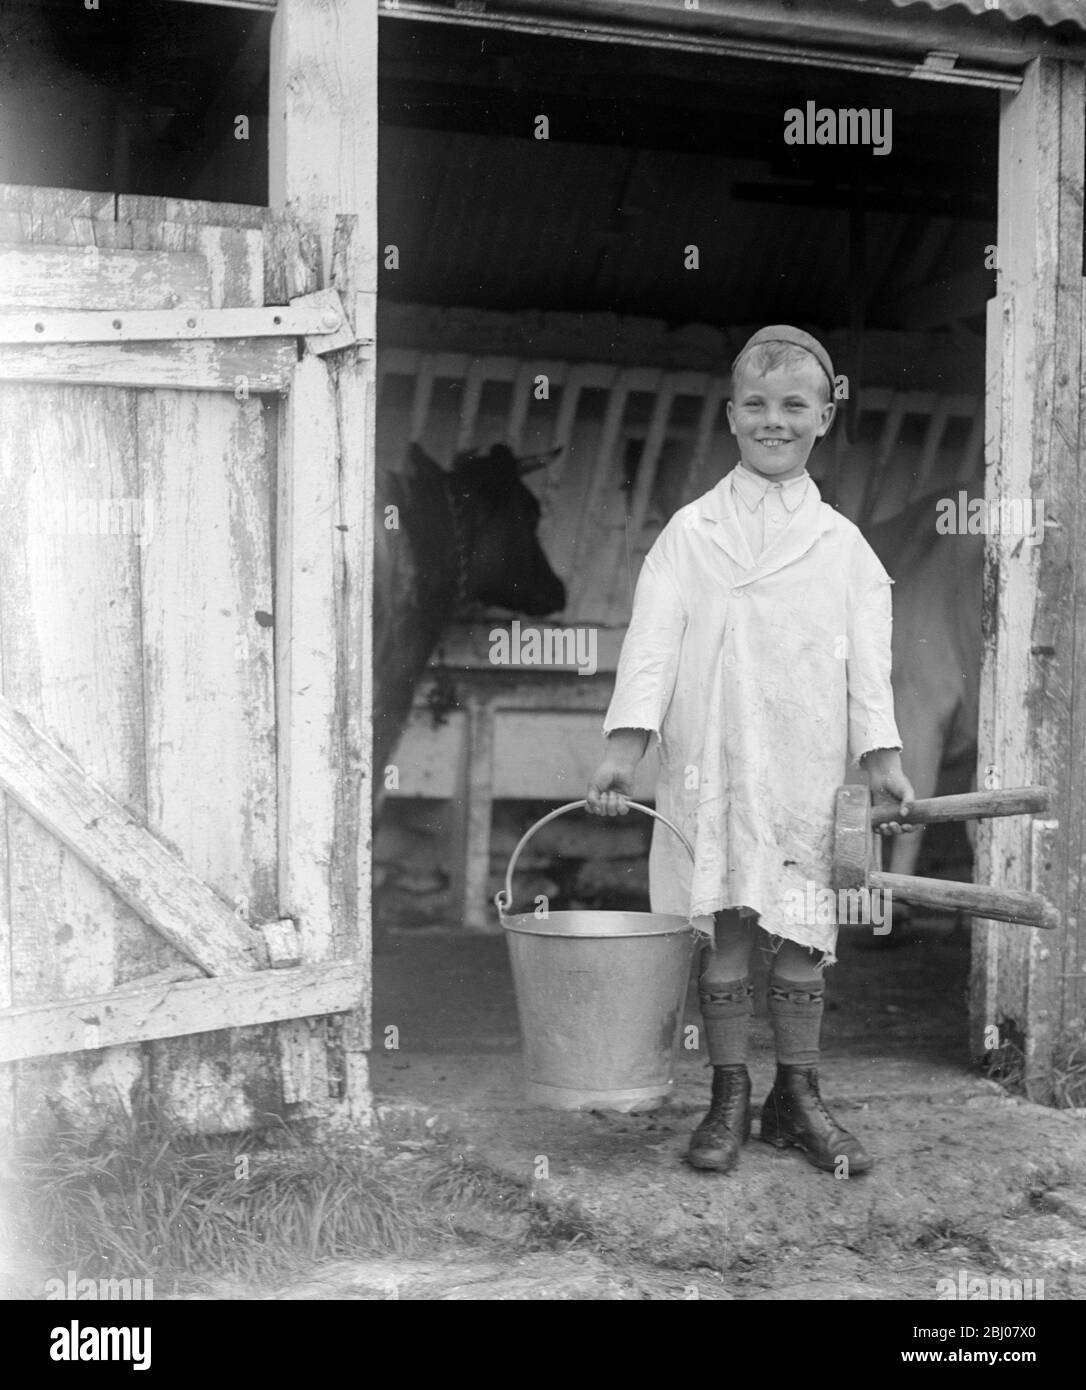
(758, 653)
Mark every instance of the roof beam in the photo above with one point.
(987, 39)
(268, 6)
(763, 30)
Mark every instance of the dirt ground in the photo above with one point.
(970, 1182)
(967, 1179)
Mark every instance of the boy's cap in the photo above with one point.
(785, 333)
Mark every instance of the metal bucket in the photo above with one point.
(600, 997)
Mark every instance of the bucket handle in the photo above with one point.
(503, 898)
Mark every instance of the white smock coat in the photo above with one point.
(760, 679)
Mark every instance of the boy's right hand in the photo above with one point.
(610, 788)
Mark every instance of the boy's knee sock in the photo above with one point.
(795, 1008)
(726, 1009)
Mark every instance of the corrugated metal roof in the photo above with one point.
(1047, 11)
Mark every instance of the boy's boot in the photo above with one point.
(726, 1011)
(717, 1140)
(794, 1112)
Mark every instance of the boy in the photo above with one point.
(758, 652)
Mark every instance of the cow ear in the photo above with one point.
(421, 461)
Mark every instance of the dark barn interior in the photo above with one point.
(649, 151)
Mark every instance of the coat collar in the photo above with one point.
(751, 488)
(716, 510)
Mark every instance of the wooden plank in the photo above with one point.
(593, 528)
(206, 580)
(1001, 969)
(233, 257)
(477, 375)
(58, 202)
(7, 963)
(54, 789)
(87, 233)
(322, 165)
(470, 827)
(64, 277)
(1032, 593)
(73, 666)
(177, 1010)
(621, 579)
(208, 595)
(305, 645)
(420, 401)
(943, 363)
(519, 405)
(650, 456)
(354, 380)
(257, 365)
(170, 325)
(323, 126)
(710, 411)
(291, 258)
(1073, 1000)
(138, 207)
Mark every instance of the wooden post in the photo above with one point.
(1024, 988)
(323, 167)
(471, 814)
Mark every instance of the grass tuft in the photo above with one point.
(1069, 1077)
(149, 1202)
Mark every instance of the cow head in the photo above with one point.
(497, 517)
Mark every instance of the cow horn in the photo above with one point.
(531, 463)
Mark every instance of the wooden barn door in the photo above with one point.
(180, 666)
(1028, 988)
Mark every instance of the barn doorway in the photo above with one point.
(556, 189)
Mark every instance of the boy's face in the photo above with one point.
(777, 417)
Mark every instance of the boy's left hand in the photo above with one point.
(888, 783)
